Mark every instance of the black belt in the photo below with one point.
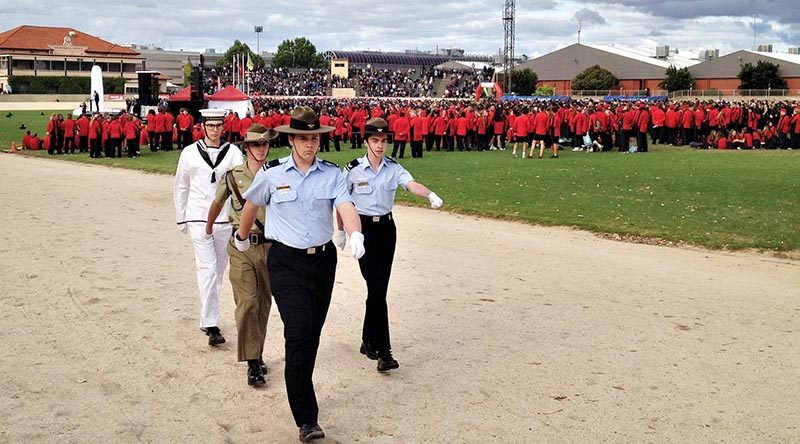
(255, 238)
(306, 251)
(384, 218)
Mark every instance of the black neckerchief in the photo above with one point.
(201, 148)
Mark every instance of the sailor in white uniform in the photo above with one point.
(201, 168)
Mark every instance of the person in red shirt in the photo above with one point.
(108, 143)
(116, 132)
(481, 124)
(439, 130)
(338, 123)
(184, 122)
(671, 124)
(325, 138)
(783, 129)
(658, 117)
(167, 126)
(452, 127)
(722, 141)
(83, 133)
(794, 124)
(462, 124)
(553, 130)
(69, 135)
(498, 122)
(416, 135)
(643, 126)
(521, 127)
(95, 135)
(580, 124)
(401, 129)
(539, 127)
(132, 136)
(427, 133)
(36, 142)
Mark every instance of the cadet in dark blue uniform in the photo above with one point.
(301, 191)
(372, 181)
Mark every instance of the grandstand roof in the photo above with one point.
(394, 58)
(729, 65)
(464, 65)
(625, 63)
(36, 39)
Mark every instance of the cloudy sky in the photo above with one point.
(474, 25)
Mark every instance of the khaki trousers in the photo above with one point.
(253, 298)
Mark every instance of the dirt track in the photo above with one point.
(504, 332)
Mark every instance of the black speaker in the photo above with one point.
(197, 84)
(148, 89)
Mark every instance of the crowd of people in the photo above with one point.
(369, 82)
(457, 124)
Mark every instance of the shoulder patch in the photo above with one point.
(270, 164)
(352, 164)
(389, 159)
(329, 163)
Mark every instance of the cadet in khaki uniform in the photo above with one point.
(248, 272)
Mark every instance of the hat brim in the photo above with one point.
(286, 129)
(270, 135)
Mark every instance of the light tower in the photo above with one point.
(258, 30)
(508, 44)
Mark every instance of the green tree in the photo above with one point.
(594, 78)
(677, 79)
(523, 81)
(544, 90)
(297, 53)
(187, 74)
(238, 49)
(763, 75)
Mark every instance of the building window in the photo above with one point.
(44, 65)
(73, 66)
(22, 64)
(129, 67)
(57, 65)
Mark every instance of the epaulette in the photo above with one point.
(389, 159)
(329, 163)
(354, 163)
(271, 164)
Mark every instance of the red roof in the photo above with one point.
(37, 38)
(228, 94)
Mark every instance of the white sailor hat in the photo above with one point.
(212, 114)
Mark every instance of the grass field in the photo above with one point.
(717, 199)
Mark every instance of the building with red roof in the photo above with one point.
(55, 52)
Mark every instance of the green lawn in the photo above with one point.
(717, 199)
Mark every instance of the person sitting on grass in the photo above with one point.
(26, 140)
(36, 143)
(722, 141)
(747, 134)
(736, 140)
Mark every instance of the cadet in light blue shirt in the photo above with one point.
(372, 181)
(301, 191)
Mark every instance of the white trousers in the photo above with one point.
(210, 259)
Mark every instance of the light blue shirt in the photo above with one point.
(300, 212)
(373, 192)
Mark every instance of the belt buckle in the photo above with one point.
(311, 250)
(254, 239)
(376, 218)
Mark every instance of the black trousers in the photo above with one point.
(84, 144)
(641, 141)
(95, 150)
(429, 141)
(399, 146)
(116, 144)
(325, 142)
(69, 144)
(380, 239)
(184, 139)
(301, 285)
(166, 141)
(152, 137)
(416, 149)
(133, 147)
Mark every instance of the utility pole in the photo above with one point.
(258, 30)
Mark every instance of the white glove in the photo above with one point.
(241, 245)
(341, 239)
(357, 244)
(183, 228)
(436, 201)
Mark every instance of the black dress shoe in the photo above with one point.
(215, 336)
(254, 374)
(369, 353)
(311, 431)
(263, 366)
(386, 362)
